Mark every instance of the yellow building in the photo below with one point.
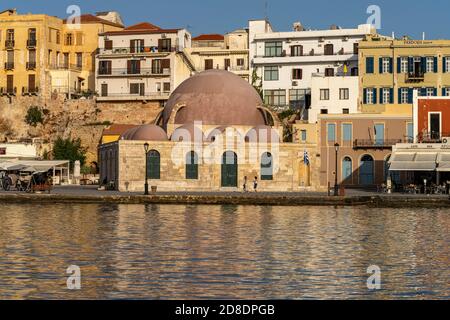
(390, 70)
(43, 54)
(215, 51)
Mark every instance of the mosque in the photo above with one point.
(213, 132)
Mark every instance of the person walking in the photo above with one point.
(255, 184)
(244, 186)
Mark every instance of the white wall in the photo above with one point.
(334, 105)
(18, 150)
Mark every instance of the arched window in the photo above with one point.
(366, 170)
(229, 169)
(266, 166)
(191, 165)
(153, 164)
(347, 170)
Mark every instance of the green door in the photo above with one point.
(229, 169)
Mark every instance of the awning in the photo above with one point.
(443, 162)
(409, 161)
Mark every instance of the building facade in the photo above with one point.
(143, 62)
(390, 71)
(283, 63)
(229, 52)
(42, 54)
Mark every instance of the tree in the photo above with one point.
(69, 149)
(257, 83)
(34, 116)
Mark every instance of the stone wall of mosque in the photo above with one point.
(124, 162)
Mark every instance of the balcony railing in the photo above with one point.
(308, 54)
(31, 43)
(9, 44)
(375, 144)
(432, 137)
(138, 50)
(65, 66)
(8, 90)
(416, 76)
(30, 90)
(117, 72)
(9, 65)
(31, 65)
(135, 96)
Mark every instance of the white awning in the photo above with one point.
(409, 161)
(443, 162)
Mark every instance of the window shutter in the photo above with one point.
(391, 95)
(381, 95)
(399, 95)
(423, 64)
(374, 100)
(380, 65)
(129, 66)
(369, 65)
(165, 63)
(444, 63)
(435, 65)
(443, 92)
(435, 92)
(410, 95)
(399, 65)
(365, 96)
(423, 92)
(390, 65)
(410, 64)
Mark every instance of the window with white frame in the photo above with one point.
(446, 92)
(404, 64)
(430, 64)
(386, 65)
(404, 92)
(386, 95)
(430, 92)
(343, 94)
(270, 73)
(447, 64)
(324, 94)
(370, 95)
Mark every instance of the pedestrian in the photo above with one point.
(245, 184)
(255, 184)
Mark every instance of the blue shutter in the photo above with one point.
(399, 95)
(374, 100)
(390, 65)
(369, 65)
(365, 96)
(381, 95)
(380, 65)
(444, 62)
(410, 95)
(435, 64)
(435, 92)
(391, 95)
(410, 64)
(423, 92)
(399, 65)
(444, 91)
(423, 64)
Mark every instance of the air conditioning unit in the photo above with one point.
(294, 83)
(321, 39)
(446, 140)
(345, 38)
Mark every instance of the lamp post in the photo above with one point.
(146, 146)
(336, 187)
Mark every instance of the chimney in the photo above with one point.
(334, 27)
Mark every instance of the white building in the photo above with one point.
(18, 151)
(285, 62)
(141, 62)
(332, 95)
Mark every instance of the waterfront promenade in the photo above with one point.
(90, 194)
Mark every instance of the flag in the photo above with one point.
(306, 157)
(345, 68)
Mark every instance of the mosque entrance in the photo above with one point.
(229, 169)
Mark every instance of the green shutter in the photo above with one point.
(153, 165)
(191, 166)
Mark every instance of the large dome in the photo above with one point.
(214, 97)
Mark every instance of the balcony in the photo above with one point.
(9, 44)
(417, 76)
(31, 65)
(9, 91)
(134, 97)
(433, 137)
(9, 65)
(138, 50)
(31, 43)
(375, 144)
(30, 91)
(124, 72)
(65, 66)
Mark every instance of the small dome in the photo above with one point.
(262, 134)
(146, 132)
(188, 132)
(215, 97)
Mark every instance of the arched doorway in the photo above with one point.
(347, 170)
(366, 170)
(229, 169)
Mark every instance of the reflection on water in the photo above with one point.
(197, 252)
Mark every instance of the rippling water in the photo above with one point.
(198, 252)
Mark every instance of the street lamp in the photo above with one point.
(146, 146)
(336, 187)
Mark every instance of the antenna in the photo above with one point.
(265, 11)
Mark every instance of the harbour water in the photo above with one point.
(222, 252)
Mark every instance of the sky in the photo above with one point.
(404, 17)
